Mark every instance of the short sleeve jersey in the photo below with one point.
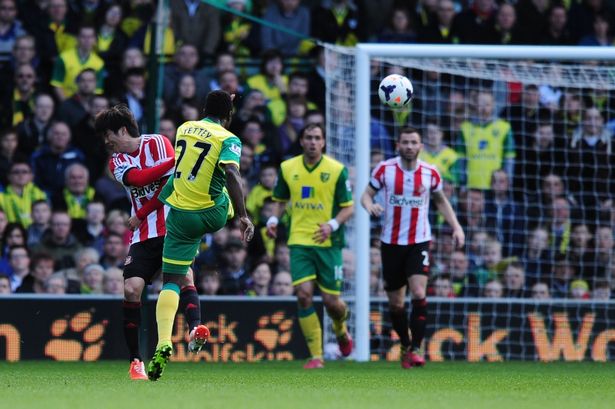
(201, 147)
(316, 195)
(485, 147)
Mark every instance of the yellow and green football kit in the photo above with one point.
(316, 195)
(196, 193)
(485, 147)
(69, 65)
(444, 161)
(18, 207)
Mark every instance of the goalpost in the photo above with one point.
(352, 106)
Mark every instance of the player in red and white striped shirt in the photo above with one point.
(143, 163)
(408, 184)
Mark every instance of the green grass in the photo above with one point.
(287, 385)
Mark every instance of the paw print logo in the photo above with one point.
(274, 330)
(76, 338)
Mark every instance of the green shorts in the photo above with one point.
(184, 233)
(323, 264)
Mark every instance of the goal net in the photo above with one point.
(524, 147)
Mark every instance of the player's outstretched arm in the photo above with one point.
(367, 201)
(447, 211)
(233, 184)
(143, 177)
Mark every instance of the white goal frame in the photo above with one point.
(363, 54)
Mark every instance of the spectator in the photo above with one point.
(282, 284)
(86, 140)
(113, 281)
(602, 35)
(463, 284)
(8, 153)
(260, 278)
(493, 289)
(473, 24)
(604, 253)
(492, 256)
(537, 257)
(117, 222)
(5, 284)
(90, 231)
(23, 53)
(438, 154)
(18, 102)
(254, 106)
(579, 290)
(440, 29)
(58, 241)
(196, 23)
(186, 61)
(114, 82)
(288, 14)
(476, 248)
(581, 251)
(114, 251)
(338, 22)
(442, 287)
(50, 161)
(539, 156)
(213, 253)
(41, 269)
(56, 284)
(239, 36)
(224, 62)
(504, 29)
(92, 280)
(41, 216)
(281, 256)
(75, 108)
(514, 281)
(168, 128)
(10, 27)
(601, 291)
(19, 195)
(229, 82)
(111, 41)
(532, 16)
(503, 215)
(33, 131)
(472, 210)
(399, 29)
(560, 225)
(540, 291)
(557, 30)
(486, 144)
(563, 272)
(3, 224)
(209, 281)
(270, 81)
(287, 142)
(263, 190)
(82, 258)
(71, 62)
(134, 93)
(19, 261)
(588, 161)
(234, 277)
(316, 78)
(76, 194)
(583, 13)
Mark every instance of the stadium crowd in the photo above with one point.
(539, 217)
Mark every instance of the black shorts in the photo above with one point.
(401, 262)
(144, 259)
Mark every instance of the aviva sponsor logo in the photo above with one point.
(399, 200)
(309, 206)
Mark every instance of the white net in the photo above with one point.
(525, 151)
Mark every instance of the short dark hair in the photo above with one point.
(134, 72)
(218, 104)
(40, 201)
(297, 74)
(90, 70)
(309, 127)
(39, 257)
(115, 118)
(408, 129)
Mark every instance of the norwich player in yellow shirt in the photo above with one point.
(318, 190)
(207, 159)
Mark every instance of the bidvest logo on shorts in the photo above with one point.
(403, 201)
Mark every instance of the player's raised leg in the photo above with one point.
(133, 287)
(190, 305)
(418, 317)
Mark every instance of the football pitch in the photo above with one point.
(287, 385)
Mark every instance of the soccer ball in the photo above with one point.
(395, 91)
